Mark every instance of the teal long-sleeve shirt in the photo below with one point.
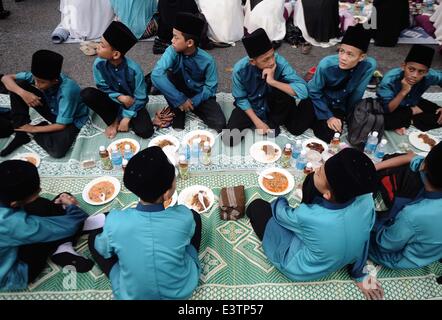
(198, 71)
(250, 90)
(17, 228)
(333, 88)
(312, 241)
(125, 79)
(155, 258)
(414, 239)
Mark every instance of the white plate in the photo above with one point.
(284, 172)
(361, 19)
(186, 195)
(419, 143)
(306, 142)
(259, 155)
(86, 189)
(344, 5)
(155, 141)
(194, 133)
(174, 200)
(25, 156)
(116, 142)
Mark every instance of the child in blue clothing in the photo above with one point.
(330, 229)
(150, 252)
(121, 95)
(409, 235)
(33, 228)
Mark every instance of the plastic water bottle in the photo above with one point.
(128, 152)
(371, 144)
(195, 151)
(206, 153)
(105, 160)
(430, 5)
(286, 155)
(335, 143)
(183, 166)
(117, 158)
(301, 161)
(380, 151)
(296, 150)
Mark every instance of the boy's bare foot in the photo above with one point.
(124, 125)
(401, 131)
(111, 131)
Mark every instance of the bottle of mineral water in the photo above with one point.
(380, 151)
(301, 161)
(297, 148)
(117, 158)
(195, 151)
(127, 152)
(371, 144)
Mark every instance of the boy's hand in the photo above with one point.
(29, 128)
(416, 110)
(127, 101)
(186, 106)
(66, 200)
(335, 124)
(439, 112)
(268, 74)
(262, 127)
(406, 87)
(31, 99)
(163, 117)
(371, 288)
(124, 125)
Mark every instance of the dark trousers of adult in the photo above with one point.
(107, 264)
(35, 255)
(167, 10)
(259, 213)
(56, 143)
(108, 110)
(282, 111)
(320, 127)
(209, 110)
(403, 117)
(6, 128)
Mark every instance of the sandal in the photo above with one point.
(306, 48)
(89, 48)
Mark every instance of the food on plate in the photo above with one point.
(165, 143)
(203, 138)
(121, 145)
(316, 146)
(279, 183)
(101, 191)
(427, 140)
(195, 201)
(270, 151)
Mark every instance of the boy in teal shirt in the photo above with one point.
(150, 252)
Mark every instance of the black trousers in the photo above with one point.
(319, 127)
(282, 111)
(6, 128)
(167, 10)
(107, 264)
(35, 255)
(56, 144)
(259, 213)
(209, 110)
(108, 110)
(403, 117)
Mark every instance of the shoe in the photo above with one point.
(375, 80)
(306, 48)
(159, 46)
(276, 44)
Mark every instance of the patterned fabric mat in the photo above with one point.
(233, 263)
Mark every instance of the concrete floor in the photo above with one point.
(32, 21)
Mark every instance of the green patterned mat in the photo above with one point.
(233, 263)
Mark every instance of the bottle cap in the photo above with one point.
(375, 134)
(127, 147)
(309, 165)
(102, 148)
(124, 162)
(288, 146)
(182, 157)
(337, 135)
(384, 141)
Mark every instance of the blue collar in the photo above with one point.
(332, 205)
(150, 207)
(433, 195)
(191, 55)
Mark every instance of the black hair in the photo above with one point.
(195, 39)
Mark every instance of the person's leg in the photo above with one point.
(259, 213)
(428, 119)
(57, 144)
(100, 103)
(3, 13)
(322, 131)
(196, 239)
(104, 264)
(142, 124)
(280, 105)
(399, 118)
(210, 112)
(179, 83)
(301, 118)
(6, 128)
(238, 122)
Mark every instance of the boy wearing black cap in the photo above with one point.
(401, 93)
(339, 84)
(34, 228)
(149, 252)
(121, 95)
(330, 229)
(411, 237)
(187, 76)
(54, 96)
(265, 87)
